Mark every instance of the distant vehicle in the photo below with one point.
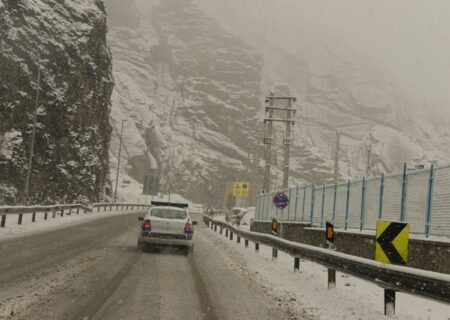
(167, 224)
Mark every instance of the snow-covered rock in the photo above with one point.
(68, 39)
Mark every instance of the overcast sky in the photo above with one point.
(409, 39)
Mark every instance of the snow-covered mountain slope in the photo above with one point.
(185, 87)
(183, 80)
(71, 161)
(338, 89)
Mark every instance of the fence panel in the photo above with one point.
(306, 210)
(317, 206)
(440, 210)
(341, 204)
(327, 207)
(416, 200)
(392, 197)
(329, 202)
(354, 213)
(372, 203)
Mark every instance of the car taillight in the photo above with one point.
(147, 225)
(188, 228)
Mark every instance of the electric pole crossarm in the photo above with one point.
(280, 108)
(278, 120)
(281, 98)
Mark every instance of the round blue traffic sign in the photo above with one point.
(280, 200)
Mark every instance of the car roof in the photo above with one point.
(168, 207)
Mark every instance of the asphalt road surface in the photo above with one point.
(93, 271)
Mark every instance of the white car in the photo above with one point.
(167, 224)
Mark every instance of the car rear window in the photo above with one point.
(168, 214)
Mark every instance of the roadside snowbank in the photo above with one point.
(351, 299)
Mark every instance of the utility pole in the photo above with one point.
(369, 154)
(170, 171)
(118, 161)
(33, 138)
(286, 139)
(287, 144)
(268, 140)
(336, 156)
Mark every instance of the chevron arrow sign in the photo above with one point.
(392, 243)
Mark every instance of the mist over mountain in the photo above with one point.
(192, 76)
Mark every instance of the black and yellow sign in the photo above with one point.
(274, 226)
(240, 189)
(392, 243)
(329, 232)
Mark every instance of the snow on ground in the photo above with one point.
(13, 230)
(351, 299)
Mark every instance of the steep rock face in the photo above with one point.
(71, 160)
(183, 84)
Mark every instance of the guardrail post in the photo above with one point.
(404, 191)
(70, 212)
(296, 264)
(78, 210)
(274, 254)
(104, 208)
(226, 233)
(347, 207)
(389, 302)
(246, 243)
(331, 278)
(215, 228)
(98, 209)
(110, 208)
(20, 218)
(323, 206)
(62, 212)
(238, 239)
(429, 202)
(45, 215)
(132, 208)
(33, 217)
(211, 225)
(54, 214)
(334, 201)
(313, 200)
(380, 204)
(256, 247)
(3, 222)
(231, 235)
(221, 230)
(363, 204)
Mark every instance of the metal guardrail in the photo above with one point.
(61, 210)
(392, 278)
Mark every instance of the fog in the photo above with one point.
(407, 40)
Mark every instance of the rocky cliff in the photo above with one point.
(186, 87)
(71, 158)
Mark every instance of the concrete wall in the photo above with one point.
(423, 254)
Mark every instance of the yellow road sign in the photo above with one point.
(241, 189)
(392, 242)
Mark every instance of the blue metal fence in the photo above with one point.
(420, 198)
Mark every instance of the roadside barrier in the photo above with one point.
(64, 209)
(392, 278)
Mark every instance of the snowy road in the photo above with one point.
(93, 271)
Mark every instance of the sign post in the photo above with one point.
(392, 246)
